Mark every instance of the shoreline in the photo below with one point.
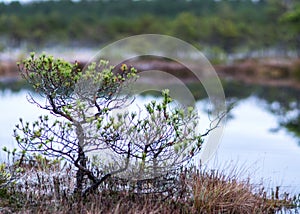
(268, 71)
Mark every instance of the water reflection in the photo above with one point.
(282, 102)
(249, 134)
(12, 85)
(248, 144)
(14, 105)
(285, 104)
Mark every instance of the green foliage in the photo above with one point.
(228, 24)
(292, 20)
(159, 136)
(4, 175)
(292, 16)
(186, 27)
(53, 77)
(146, 144)
(8, 172)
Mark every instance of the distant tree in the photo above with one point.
(229, 25)
(186, 26)
(292, 18)
(130, 144)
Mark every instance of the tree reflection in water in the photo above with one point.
(283, 102)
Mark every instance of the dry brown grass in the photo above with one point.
(215, 192)
(296, 70)
(196, 191)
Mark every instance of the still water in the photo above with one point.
(260, 137)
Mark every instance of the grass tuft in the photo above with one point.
(50, 190)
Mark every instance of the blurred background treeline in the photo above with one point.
(222, 26)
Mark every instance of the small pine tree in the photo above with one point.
(86, 132)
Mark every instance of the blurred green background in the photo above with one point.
(217, 26)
